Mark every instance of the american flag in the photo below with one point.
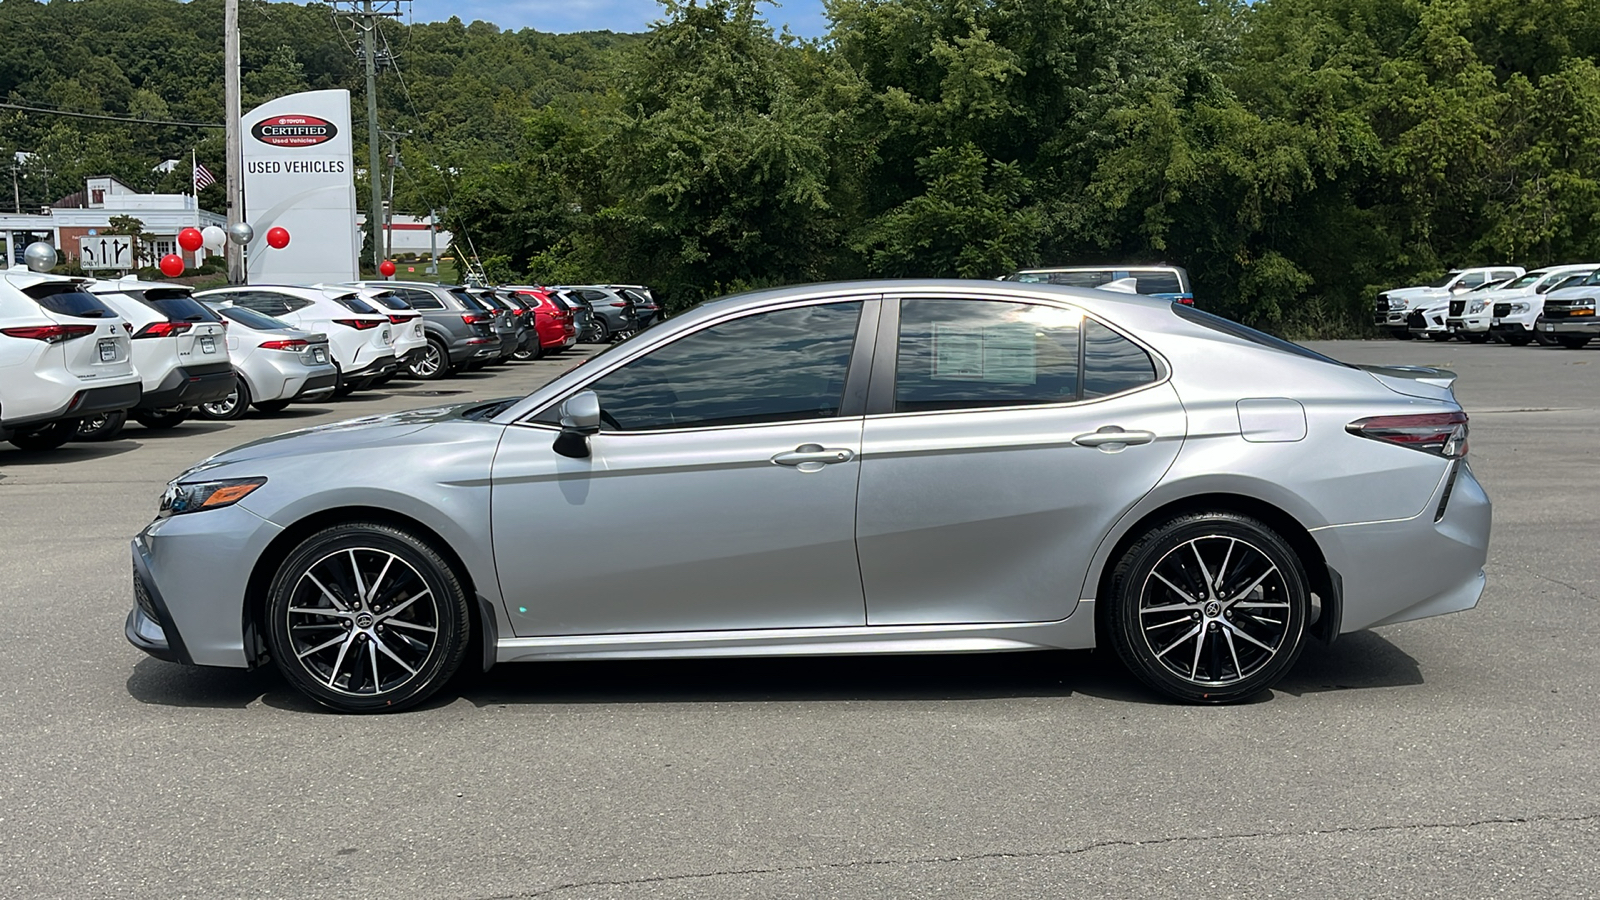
(202, 178)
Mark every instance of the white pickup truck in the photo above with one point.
(1395, 306)
(1516, 307)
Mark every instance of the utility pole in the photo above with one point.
(366, 15)
(388, 209)
(235, 147)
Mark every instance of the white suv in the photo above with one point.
(1517, 306)
(1396, 306)
(63, 355)
(180, 349)
(360, 337)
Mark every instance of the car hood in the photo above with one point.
(1412, 294)
(345, 435)
(1574, 293)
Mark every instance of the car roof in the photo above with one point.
(118, 285)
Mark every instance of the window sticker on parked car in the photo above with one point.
(1002, 353)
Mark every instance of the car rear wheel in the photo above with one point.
(1209, 608)
(599, 332)
(102, 426)
(46, 437)
(161, 418)
(1573, 341)
(432, 363)
(230, 407)
(366, 617)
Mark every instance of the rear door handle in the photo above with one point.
(1113, 437)
(812, 457)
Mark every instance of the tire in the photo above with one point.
(1176, 628)
(231, 407)
(398, 662)
(101, 426)
(529, 351)
(272, 406)
(1517, 340)
(161, 419)
(1439, 336)
(1573, 341)
(1545, 340)
(599, 332)
(432, 363)
(1403, 335)
(46, 437)
(1482, 338)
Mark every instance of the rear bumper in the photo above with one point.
(379, 367)
(188, 386)
(1427, 565)
(88, 402)
(316, 386)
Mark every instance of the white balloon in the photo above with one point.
(215, 238)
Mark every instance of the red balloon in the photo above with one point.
(172, 265)
(277, 238)
(386, 268)
(191, 239)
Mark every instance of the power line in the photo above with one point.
(105, 118)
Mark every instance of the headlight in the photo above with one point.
(1475, 307)
(199, 495)
(1519, 308)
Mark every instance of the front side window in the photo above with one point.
(419, 299)
(779, 366)
(970, 354)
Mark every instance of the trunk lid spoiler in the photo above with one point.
(1426, 382)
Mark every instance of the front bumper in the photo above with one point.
(1586, 325)
(193, 609)
(1468, 324)
(191, 386)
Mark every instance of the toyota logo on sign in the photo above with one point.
(293, 131)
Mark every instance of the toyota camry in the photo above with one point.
(862, 468)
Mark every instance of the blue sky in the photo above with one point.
(804, 17)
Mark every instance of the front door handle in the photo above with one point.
(812, 457)
(1112, 438)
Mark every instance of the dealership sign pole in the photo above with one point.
(235, 165)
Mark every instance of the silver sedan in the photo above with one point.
(878, 467)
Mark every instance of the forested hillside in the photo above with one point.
(1293, 154)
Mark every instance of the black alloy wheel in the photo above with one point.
(1209, 608)
(101, 426)
(365, 617)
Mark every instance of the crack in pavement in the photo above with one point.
(1541, 577)
(1037, 854)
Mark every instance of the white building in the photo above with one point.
(411, 234)
(87, 215)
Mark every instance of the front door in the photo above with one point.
(720, 493)
(1012, 437)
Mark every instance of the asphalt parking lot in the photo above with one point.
(1451, 757)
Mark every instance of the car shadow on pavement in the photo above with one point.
(71, 453)
(187, 429)
(1355, 661)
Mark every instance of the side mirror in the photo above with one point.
(580, 417)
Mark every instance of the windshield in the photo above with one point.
(388, 299)
(1525, 280)
(178, 306)
(66, 299)
(469, 301)
(1594, 278)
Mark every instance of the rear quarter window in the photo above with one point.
(175, 306)
(353, 303)
(69, 300)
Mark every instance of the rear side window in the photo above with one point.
(1156, 282)
(1112, 363)
(971, 354)
(68, 300)
(388, 300)
(470, 302)
(179, 307)
(265, 302)
(353, 303)
(249, 318)
(420, 299)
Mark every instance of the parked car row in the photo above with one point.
(1505, 304)
(80, 357)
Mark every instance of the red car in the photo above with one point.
(551, 321)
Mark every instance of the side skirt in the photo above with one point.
(1075, 632)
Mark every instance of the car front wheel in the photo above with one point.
(364, 617)
(1209, 608)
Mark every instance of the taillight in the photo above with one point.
(474, 318)
(50, 334)
(1442, 434)
(399, 320)
(162, 329)
(619, 304)
(357, 324)
(295, 344)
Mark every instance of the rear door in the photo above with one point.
(1003, 440)
(101, 346)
